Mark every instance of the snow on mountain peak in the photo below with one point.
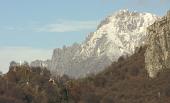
(123, 30)
(116, 35)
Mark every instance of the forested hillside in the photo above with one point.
(125, 81)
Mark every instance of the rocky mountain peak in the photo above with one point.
(117, 35)
(123, 14)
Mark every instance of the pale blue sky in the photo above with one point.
(41, 25)
(19, 19)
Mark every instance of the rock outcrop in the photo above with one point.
(40, 63)
(157, 56)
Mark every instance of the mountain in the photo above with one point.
(117, 35)
(157, 56)
(40, 63)
(124, 81)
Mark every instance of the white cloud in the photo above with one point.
(10, 28)
(7, 54)
(68, 26)
(59, 26)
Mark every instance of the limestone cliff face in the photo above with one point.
(157, 56)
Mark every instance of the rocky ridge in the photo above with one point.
(40, 63)
(157, 56)
(117, 35)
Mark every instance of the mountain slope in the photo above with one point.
(117, 35)
(125, 81)
(158, 51)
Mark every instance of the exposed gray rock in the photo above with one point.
(40, 63)
(119, 34)
(157, 56)
(1, 73)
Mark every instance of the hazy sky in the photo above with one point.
(30, 29)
